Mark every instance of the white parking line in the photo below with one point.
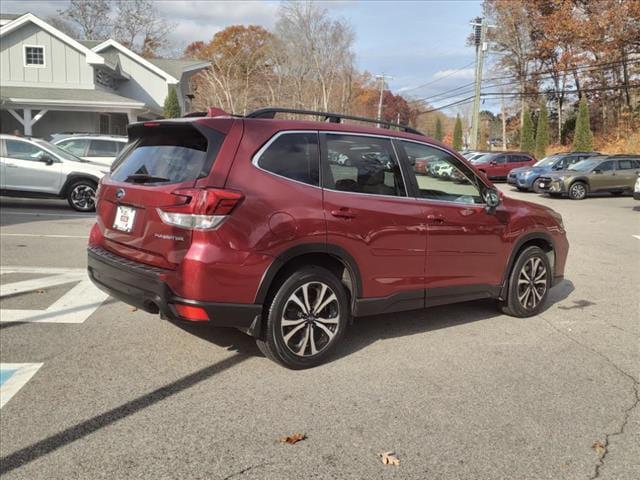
(22, 374)
(40, 236)
(75, 306)
(31, 214)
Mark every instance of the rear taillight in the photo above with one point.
(205, 209)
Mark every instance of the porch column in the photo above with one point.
(26, 117)
(131, 116)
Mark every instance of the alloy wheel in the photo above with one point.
(532, 283)
(578, 191)
(83, 197)
(310, 319)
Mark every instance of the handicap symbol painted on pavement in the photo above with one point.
(75, 306)
(13, 376)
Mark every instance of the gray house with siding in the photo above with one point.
(52, 83)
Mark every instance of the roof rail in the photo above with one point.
(329, 117)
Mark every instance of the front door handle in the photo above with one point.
(435, 219)
(343, 213)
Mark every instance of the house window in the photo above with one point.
(33, 56)
(104, 123)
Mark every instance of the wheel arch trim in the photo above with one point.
(309, 248)
(75, 176)
(517, 246)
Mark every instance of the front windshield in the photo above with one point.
(546, 161)
(58, 151)
(584, 165)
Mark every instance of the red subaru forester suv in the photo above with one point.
(287, 229)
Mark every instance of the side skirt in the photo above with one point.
(418, 299)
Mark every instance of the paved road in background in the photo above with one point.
(457, 391)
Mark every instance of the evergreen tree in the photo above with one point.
(583, 137)
(171, 105)
(457, 134)
(542, 131)
(527, 140)
(438, 133)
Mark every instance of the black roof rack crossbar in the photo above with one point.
(329, 117)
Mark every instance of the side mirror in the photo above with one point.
(493, 162)
(491, 199)
(45, 158)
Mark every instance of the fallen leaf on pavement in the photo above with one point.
(41, 291)
(599, 447)
(389, 458)
(295, 438)
(133, 309)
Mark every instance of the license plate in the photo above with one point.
(124, 219)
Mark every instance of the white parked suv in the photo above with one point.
(101, 149)
(30, 167)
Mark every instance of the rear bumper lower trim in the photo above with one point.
(142, 287)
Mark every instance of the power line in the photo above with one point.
(519, 95)
(453, 72)
(515, 81)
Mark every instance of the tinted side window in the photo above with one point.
(627, 164)
(571, 160)
(363, 164)
(23, 150)
(294, 156)
(500, 159)
(102, 148)
(517, 158)
(605, 166)
(440, 176)
(76, 147)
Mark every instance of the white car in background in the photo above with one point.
(101, 149)
(636, 188)
(33, 168)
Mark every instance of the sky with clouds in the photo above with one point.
(421, 44)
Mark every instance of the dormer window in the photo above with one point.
(33, 56)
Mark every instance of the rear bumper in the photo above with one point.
(144, 287)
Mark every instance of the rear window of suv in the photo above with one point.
(168, 154)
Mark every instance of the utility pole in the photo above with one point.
(480, 32)
(382, 79)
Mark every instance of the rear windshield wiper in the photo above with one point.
(145, 178)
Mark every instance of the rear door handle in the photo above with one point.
(343, 213)
(435, 219)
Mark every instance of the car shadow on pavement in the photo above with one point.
(367, 330)
(18, 211)
(76, 432)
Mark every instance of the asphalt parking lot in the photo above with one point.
(457, 392)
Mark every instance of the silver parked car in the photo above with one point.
(101, 149)
(30, 167)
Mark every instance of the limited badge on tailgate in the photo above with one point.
(125, 217)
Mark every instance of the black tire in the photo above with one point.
(535, 186)
(617, 193)
(578, 190)
(518, 303)
(310, 331)
(81, 195)
(522, 189)
(555, 195)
